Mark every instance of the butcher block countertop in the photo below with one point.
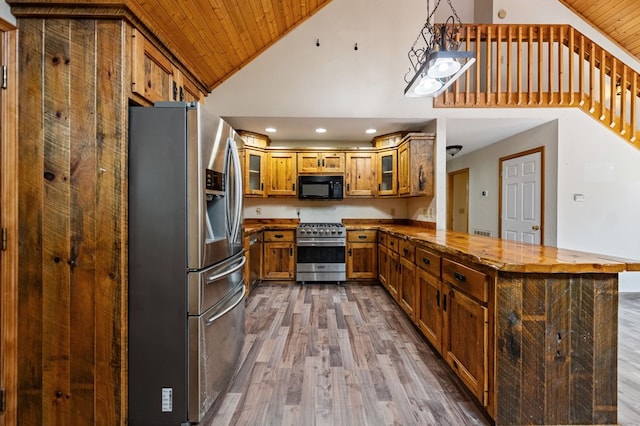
(509, 256)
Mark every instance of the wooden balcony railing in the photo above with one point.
(546, 66)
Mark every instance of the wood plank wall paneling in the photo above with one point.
(9, 221)
(30, 208)
(72, 205)
(544, 332)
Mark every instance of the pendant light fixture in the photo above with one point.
(436, 61)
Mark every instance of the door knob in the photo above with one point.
(535, 227)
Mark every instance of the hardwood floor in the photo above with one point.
(347, 355)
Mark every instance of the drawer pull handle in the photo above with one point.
(426, 261)
(362, 237)
(278, 236)
(459, 277)
(391, 243)
(438, 298)
(444, 302)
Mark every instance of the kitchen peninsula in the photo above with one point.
(530, 330)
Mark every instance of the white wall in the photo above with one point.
(606, 170)
(484, 176)
(325, 211)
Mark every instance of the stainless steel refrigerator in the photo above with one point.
(186, 283)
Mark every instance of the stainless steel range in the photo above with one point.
(320, 249)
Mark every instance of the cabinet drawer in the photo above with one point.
(428, 261)
(284, 235)
(407, 250)
(382, 238)
(368, 236)
(393, 243)
(470, 281)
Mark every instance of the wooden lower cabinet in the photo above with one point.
(362, 255)
(393, 277)
(465, 343)
(279, 255)
(383, 266)
(429, 312)
(523, 343)
(407, 294)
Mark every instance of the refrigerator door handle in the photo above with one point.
(216, 277)
(235, 157)
(213, 318)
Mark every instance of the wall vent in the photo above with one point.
(481, 232)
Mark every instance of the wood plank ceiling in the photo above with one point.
(216, 38)
(618, 20)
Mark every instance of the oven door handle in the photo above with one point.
(213, 318)
(321, 244)
(216, 277)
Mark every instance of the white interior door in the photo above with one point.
(522, 198)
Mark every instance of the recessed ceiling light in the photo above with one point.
(321, 130)
(370, 131)
(270, 129)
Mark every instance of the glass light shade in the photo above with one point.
(443, 67)
(427, 86)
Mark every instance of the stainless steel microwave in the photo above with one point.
(316, 187)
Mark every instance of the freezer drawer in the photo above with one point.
(215, 342)
(208, 287)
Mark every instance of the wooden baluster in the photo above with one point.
(592, 79)
(571, 63)
(602, 82)
(550, 88)
(540, 63)
(622, 98)
(530, 64)
(560, 65)
(613, 80)
(467, 77)
(478, 39)
(456, 86)
(519, 66)
(632, 111)
(508, 67)
(498, 67)
(581, 59)
(487, 79)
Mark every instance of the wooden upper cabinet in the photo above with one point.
(403, 169)
(387, 172)
(154, 77)
(282, 173)
(360, 175)
(415, 165)
(321, 162)
(151, 71)
(254, 171)
(183, 89)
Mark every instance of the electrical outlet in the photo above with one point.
(258, 211)
(393, 211)
(430, 214)
(425, 212)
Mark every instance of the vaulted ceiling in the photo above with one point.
(619, 20)
(218, 37)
